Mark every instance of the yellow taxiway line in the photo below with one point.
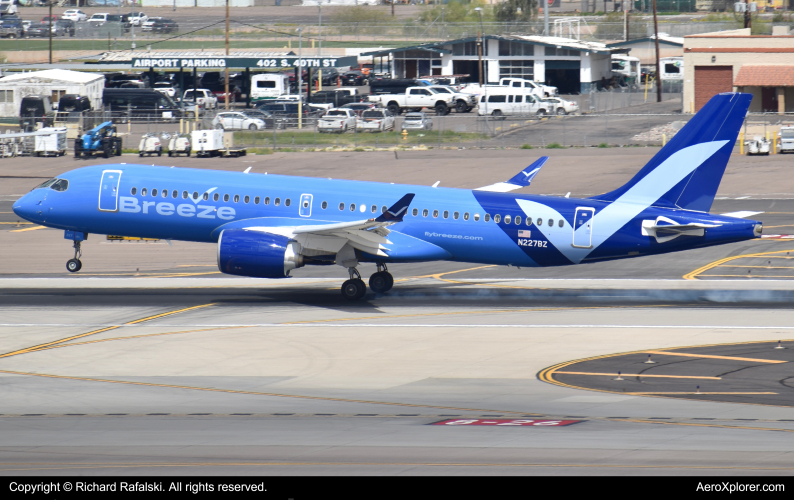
(694, 274)
(635, 375)
(710, 356)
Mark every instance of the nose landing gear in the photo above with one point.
(382, 281)
(74, 265)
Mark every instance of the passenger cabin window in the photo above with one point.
(383, 209)
(324, 205)
(425, 212)
(236, 198)
(374, 208)
(352, 207)
(507, 219)
(487, 217)
(456, 215)
(551, 222)
(435, 213)
(529, 221)
(277, 202)
(267, 200)
(518, 220)
(184, 195)
(256, 200)
(466, 216)
(415, 212)
(246, 199)
(165, 193)
(561, 223)
(287, 202)
(226, 197)
(195, 195)
(341, 206)
(540, 221)
(174, 193)
(497, 218)
(154, 193)
(446, 214)
(143, 191)
(476, 217)
(205, 196)
(134, 191)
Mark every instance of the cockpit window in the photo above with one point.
(46, 184)
(60, 185)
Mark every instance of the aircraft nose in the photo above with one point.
(27, 208)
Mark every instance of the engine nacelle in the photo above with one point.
(257, 254)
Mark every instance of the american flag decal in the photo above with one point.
(524, 234)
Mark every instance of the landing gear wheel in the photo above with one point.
(73, 265)
(354, 289)
(381, 282)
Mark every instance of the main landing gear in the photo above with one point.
(355, 289)
(74, 265)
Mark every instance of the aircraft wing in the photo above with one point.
(522, 179)
(368, 235)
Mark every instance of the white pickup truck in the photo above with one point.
(203, 98)
(463, 102)
(415, 98)
(337, 120)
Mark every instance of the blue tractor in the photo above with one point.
(100, 140)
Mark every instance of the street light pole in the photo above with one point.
(299, 70)
(656, 39)
(479, 44)
(50, 30)
(226, 67)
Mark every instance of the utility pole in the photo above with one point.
(479, 44)
(546, 17)
(299, 70)
(748, 20)
(226, 67)
(50, 30)
(656, 39)
(626, 17)
(392, 7)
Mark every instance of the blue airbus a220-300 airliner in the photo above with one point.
(267, 225)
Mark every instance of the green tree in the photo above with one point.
(516, 10)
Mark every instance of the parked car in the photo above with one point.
(166, 88)
(67, 25)
(239, 121)
(137, 18)
(122, 19)
(563, 107)
(99, 19)
(116, 81)
(359, 107)
(75, 15)
(463, 103)
(202, 97)
(128, 104)
(355, 77)
(287, 112)
(11, 28)
(43, 29)
(46, 19)
(74, 103)
(219, 91)
(160, 25)
(417, 121)
(375, 120)
(337, 120)
(26, 24)
(330, 76)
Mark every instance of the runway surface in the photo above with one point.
(151, 362)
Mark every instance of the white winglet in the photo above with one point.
(247, 170)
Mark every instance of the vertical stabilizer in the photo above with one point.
(687, 172)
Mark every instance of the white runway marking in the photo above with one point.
(342, 324)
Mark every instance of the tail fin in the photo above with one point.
(687, 171)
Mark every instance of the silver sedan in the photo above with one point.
(417, 121)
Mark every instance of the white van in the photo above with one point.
(268, 86)
(499, 101)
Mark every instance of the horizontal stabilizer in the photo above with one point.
(664, 229)
(522, 179)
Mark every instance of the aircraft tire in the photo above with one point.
(381, 282)
(353, 289)
(73, 265)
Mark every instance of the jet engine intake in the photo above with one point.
(243, 252)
